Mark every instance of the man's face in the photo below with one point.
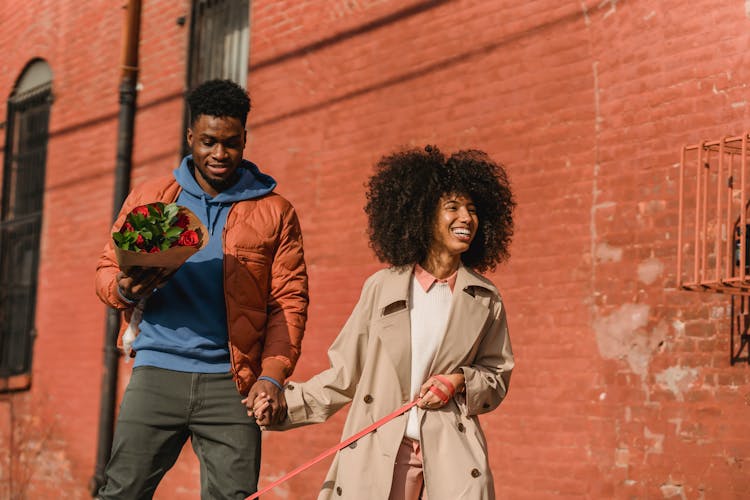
(217, 143)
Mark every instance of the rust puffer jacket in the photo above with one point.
(265, 281)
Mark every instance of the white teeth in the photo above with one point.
(462, 232)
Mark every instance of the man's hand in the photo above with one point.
(136, 282)
(266, 403)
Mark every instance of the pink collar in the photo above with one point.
(426, 280)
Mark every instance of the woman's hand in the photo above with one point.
(259, 408)
(439, 389)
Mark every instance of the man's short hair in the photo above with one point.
(218, 98)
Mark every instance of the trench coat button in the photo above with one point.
(338, 490)
(461, 427)
(290, 387)
(368, 399)
(475, 473)
(353, 445)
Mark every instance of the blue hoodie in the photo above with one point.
(184, 326)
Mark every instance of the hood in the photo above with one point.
(252, 183)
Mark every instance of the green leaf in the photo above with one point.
(164, 225)
(137, 220)
(130, 236)
(170, 211)
(173, 232)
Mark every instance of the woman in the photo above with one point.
(428, 321)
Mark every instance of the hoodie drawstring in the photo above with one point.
(211, 222)
(217, 213)
(208, 214)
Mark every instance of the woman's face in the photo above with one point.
(455, 225)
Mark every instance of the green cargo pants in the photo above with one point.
(160, 410)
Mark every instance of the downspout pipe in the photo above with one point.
(123, 167)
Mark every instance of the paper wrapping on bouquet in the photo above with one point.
(171, 258)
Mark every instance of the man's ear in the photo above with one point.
(189, 137)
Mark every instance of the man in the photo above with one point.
(227, 324)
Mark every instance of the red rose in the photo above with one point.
(127, 227)
(182, 221)
(139, 242)
(154, 250)
(143, 210)
(188, 238)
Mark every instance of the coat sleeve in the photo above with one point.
(488, 377)
(287, 303)
(323, 395)
(106, 267)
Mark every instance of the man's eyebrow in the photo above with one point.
(210, 136)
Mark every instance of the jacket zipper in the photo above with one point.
(226, 302)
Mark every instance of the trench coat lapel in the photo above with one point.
(394, 325)
(466, 321)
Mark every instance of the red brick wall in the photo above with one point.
(81, 41)
(623, 386)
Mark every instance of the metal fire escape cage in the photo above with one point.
(714, 227)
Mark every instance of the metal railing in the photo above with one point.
(713, 252)
(713, 229)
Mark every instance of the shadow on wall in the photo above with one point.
(448, 62)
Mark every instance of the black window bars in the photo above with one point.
(20, 231)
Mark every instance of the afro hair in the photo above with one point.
(218, 98)
(402, 200)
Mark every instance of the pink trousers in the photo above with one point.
(407, 474)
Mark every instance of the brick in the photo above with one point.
(587, 107)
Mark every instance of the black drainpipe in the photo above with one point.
(125, 128)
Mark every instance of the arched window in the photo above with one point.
(21, 220)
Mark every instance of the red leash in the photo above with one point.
(333, 450)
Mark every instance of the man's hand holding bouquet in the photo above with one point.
(153, 242)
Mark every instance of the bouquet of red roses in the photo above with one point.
(159, 235)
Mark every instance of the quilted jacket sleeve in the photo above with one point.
(163, 188)
(106, 267)
(288, 301)
(323, 395)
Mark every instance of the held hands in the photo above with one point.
(439, 389)
(260, 409)
(266, 403)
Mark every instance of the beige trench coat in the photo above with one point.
(371, 367)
